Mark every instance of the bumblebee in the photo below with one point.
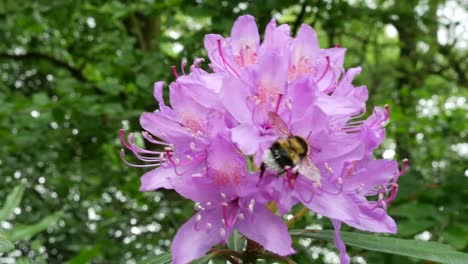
(289, 154)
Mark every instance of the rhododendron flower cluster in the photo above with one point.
(213, 136)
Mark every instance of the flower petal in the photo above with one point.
(245, 40)
(248, 138)
(268, 230)
(234, 94)
(368, 174)
(191, 243)
(157, 178)
(339, 244)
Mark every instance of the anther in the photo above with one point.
(289, 104)
(251, 205)
(208, 204)
(198, 206)
(241, 216)
(198, 217)
(340, 181)
(209, 225)
(329, 169)
(222, 232)
(360, 188)
(189, 157)
(223, 195)
(192, 145)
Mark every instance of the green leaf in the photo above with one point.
(25, 232)
(411, 248)
(85, 256)
(159, 259)
(5, 245)
(236, 241)
(12, 201)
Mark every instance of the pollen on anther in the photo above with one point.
(192, 145)
(251, 205)
(222, 232)
(198, 206)
(198, 217)
(167, 149)
(223, 195)
(340, 181)
(241, 216)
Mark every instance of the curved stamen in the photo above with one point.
(182, 66)
(174, 71)
(378, 202)
(340, 186)
(196, 65)
(280, 96)
(393, 194)
(123, 140)
(150, 139)
(122, 156)
(225, 214)
(226, 64)
(298, 190)
(403, 169)
(326, 69)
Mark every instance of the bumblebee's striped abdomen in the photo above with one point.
(279, 151)
(299, 146)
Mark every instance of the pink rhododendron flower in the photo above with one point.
(217, 120)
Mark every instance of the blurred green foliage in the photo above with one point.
(73, 72)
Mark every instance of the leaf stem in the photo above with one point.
(297, 216)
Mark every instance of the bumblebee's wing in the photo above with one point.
(309, 170)
(278, 124)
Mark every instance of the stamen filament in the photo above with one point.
(226, 64)
(174, 71)
(326, 69)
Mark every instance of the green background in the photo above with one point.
(73, 72)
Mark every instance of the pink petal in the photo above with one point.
(190, 243)
(234, 95)
(157, 178)
(245, 34)
(248, 138)
(369, 174)
(268, 230)
(339, 244)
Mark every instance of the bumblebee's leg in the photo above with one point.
(290, 176)
(262, 171)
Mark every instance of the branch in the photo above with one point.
(299, 18)
(77, 73)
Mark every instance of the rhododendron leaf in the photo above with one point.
(25, 232)
(427, 250)
(5, 245)
(12, 201)
(163, 258)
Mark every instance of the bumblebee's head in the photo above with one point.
(300, 146)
